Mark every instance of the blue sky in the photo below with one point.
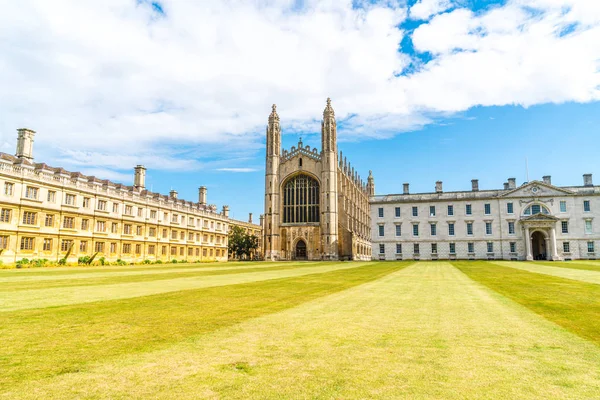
(427, 90)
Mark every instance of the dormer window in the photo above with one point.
(536, 209)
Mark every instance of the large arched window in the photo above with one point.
(536, 209)
(301, 200)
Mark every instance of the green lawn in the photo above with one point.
(300, 330)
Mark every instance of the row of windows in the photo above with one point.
(469, 228)
(487, 209)
(471, 247)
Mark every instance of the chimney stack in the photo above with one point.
(202, 195)
(262, 219)
(250, 218)
(438, 187)
(587, 180)
(505, 185)
(475, 185)
(173, 194)
(406, 188)
(547, 179)
(512, 183)
(139, 177)
(226, 211)
(25, 143)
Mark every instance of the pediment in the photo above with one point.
(539, 217)
(537, 189)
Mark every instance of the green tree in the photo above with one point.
(241, 245)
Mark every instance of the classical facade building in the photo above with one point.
(316, 205)
(46, 211)
(534, 221)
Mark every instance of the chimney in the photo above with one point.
(139, 178)
(250, 218)
(262, 220)
(406, 188)
(173, 194)
(226, 211)
(587, 180)
(25, 143)
(202, 195)
(475, 185)
(505, 185)
(547, 179)
(438, 187)
(512, 183)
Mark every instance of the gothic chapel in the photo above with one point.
(316, 205)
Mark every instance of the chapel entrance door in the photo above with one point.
(301, 250)
(538, 246)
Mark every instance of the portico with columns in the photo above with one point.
(540, 237)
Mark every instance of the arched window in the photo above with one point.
(536, 209)
(301, 200)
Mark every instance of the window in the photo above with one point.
(510, 208)
(51, 196)
(191, 223)
(138, 230)
(566, 247)
(163, 250)
(433, 248)
(8, 188)
(433, 228)
(182, 235)
(432, 211)
(398, 248)
(153, 214)
(381, 230)
(138, 249)
(115, 207)
(451, 229)
(511, 228)
(102, 205)
(29, 218)
(151, 232)
(31, 192)
(151, 249)
(452, 248)
(487, 208)
(488, 228)
(536, 209)
(65, 245)
(113, 248)
(3, 242)
(468, 209)
(564, 225)
(174, 218)
(27, 243)
(47, 246)
(563, 206)
(397, 210)
(416, 248)
(380, 212)
(86, 202)
(415, 211)
(590, 247)
(114, 228)
(191, 251)
(513, 247)
(85, 223)
(300, 200)
(70, 199)
(173, 234)
(140, 212)
(68, 222)
(164, 233)
(490, 247)
(5, 215)
(450, 211)
(83, 246)
(382, 249)
(586, 206)
(190, 235)
(126, 248)
(471, 247)
(588, 226)
(99, 247)
(181, 251)
(127, 229)
(128, 210)
(415, 229)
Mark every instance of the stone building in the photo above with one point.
(534, 221)
(316, 205)
(253, 230)
(46, 211)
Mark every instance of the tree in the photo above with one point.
(241, 244)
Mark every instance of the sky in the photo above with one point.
(423, 90)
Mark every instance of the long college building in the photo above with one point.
(534, 221)
(46, 211)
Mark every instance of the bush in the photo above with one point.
(83, 260)
(62, 261)
(102, 261)
(173, 261)
(146, 262)
(41, 262)
(120, 262)
(158, 262)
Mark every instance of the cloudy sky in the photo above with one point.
(423, 90)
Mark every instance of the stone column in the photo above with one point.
(555, 256)
(547, 248)
(529, 256)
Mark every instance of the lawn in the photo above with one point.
(300, 330)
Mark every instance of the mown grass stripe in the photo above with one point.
(45, 343)
(572, 304)
(566, 273)
(587, 266)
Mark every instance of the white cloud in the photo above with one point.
(112, 84)
(237, 169)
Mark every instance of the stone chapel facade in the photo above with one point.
(316, 205)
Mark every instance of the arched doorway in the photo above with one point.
(301, 250)
(538, 246)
